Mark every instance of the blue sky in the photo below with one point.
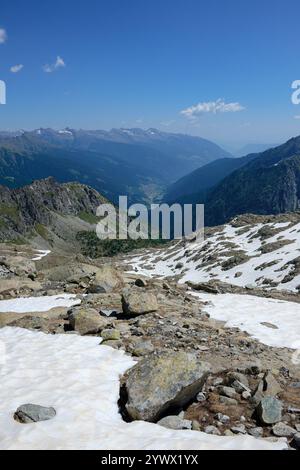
(138, 63)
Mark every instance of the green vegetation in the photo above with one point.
(42, 231)
(88, 217)
(93, 247)
(9, 211)
(18, 241)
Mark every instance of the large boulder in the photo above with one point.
(163, 382)
(30, 413)
(136, 301)
(108, 278)
(269, 410)
(87, 321)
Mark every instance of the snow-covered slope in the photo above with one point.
(257, 254)
(80, 379)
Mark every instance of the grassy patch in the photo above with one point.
(18, 241)
(9, 211)
(89, 218)
(93, 247)
(42, 231)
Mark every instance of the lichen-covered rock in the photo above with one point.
(87, 321)
(110, 334)
(161, 382)
(30, 413)
(135, 301)
(269, 410)
(107, 278)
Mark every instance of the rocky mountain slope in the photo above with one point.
(268, 184)
(251, 251)
(47, 212)
(194, 187)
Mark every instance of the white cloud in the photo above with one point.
(218, 106)
(3, 36)
(297, 116)
(59, 63)
(16, 68)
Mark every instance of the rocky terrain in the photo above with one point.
(215, 385)
(47, 213)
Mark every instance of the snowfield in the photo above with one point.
(202, 261)
(38, 304)
(272, 322)
(80, 379)
(41, 254)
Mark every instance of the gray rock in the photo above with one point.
(135, 301)
(238, 429)
(271, 386)
(283, 430)
(30, 413)
(110, 334)
(228, 392)
(212, 430)
(86, 321)
(222, 418)
(269, 410)
(201, 397)
(142, 348)
(162, 381)
(175, 422)
(228, 401)
(239, 387)
(256, 432)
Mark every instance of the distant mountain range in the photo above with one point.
(134, 162)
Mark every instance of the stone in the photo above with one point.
(30, 413)
(228, 401)
(212, 430)
(108, 278)
(269, 410)
(283, 430)
(256, 432)
(87, 321)
(110, 334)
(239, 387)
(222, 418)
(237, 377)
(201, 397)
(271, 386)
(164, 381)
(238, 429)
(142, 348)
(175, 422)
(135, 301)
(196, 425)
(228, 392)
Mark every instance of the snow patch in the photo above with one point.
(38, 304)
(272, 322)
